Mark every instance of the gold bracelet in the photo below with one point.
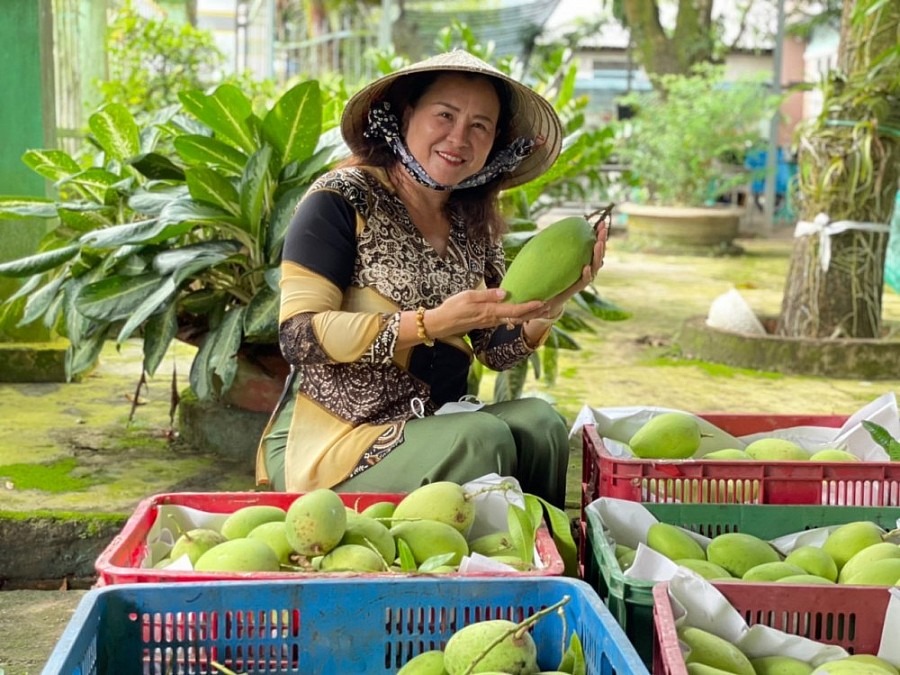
(420, 328)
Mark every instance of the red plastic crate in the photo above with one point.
(120, 561)
(744, 481)
(852, 618)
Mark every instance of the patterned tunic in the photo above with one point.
(353, 260)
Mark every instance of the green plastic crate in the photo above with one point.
(631, 600)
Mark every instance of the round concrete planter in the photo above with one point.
(839, 358)
(674, 229)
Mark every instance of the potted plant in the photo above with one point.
(683, 148)
(175, 230)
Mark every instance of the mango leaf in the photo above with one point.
(116, 297)
(225, 111)
(534, 509)
(521, 532)
(254, 190)
(159, 331)
(156, 166)
(16, 208)
(39, 262)
(293, 124)
(116, 131)
(51, 164)
(405, 556)
(561, 531)
(199, 150)
(573, 660)
(41, 300)
(206, 185)
(261, 319)
(435, 561)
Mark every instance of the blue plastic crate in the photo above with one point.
(322, 625)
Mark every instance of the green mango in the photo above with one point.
(551, 261)
(669, 435)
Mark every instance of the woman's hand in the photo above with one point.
(556, 304)
(473, 309)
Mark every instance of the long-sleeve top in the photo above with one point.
(352, 261)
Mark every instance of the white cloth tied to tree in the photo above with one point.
(823, 226)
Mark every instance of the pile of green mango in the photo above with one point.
(860, 553)
(425, 531)
(709, 654)
(677, 435)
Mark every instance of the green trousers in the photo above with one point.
(525, 438)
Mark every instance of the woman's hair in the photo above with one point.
(478, 206)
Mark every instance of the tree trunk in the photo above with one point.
(690, 43)
(849, 171)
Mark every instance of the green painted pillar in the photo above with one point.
(27, 121)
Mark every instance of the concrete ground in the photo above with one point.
(73, 440)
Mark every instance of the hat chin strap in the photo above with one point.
(383, 124)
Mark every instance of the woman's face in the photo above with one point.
(451, 128)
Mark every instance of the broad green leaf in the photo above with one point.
(41, 300)
(24, 290)
(225, 111)
(78, 325)
(95, 183)
(210, 252)
(16, 208)
(201, 377)
(509, 383)
(82, 356)
(255, 191)
(85, 221)
(183, 211)
(206, 185)
(199, 150)
(405, 556)
(51, 164)
(279, 220)
(293, 124)
(156, 166)
(222, 345)
(39, 262)
(561, 530)
(142, 232)
(116, 297)
(521, 532)
(261, 319)
(152, 202)
(116, 131)
(151, 304)
(159, 331)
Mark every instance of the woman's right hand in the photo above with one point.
(482, 308)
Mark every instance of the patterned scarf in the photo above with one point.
(383, 125)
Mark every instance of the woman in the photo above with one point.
(390, 277)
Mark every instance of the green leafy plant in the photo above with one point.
(689, 131)
(185, 245)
